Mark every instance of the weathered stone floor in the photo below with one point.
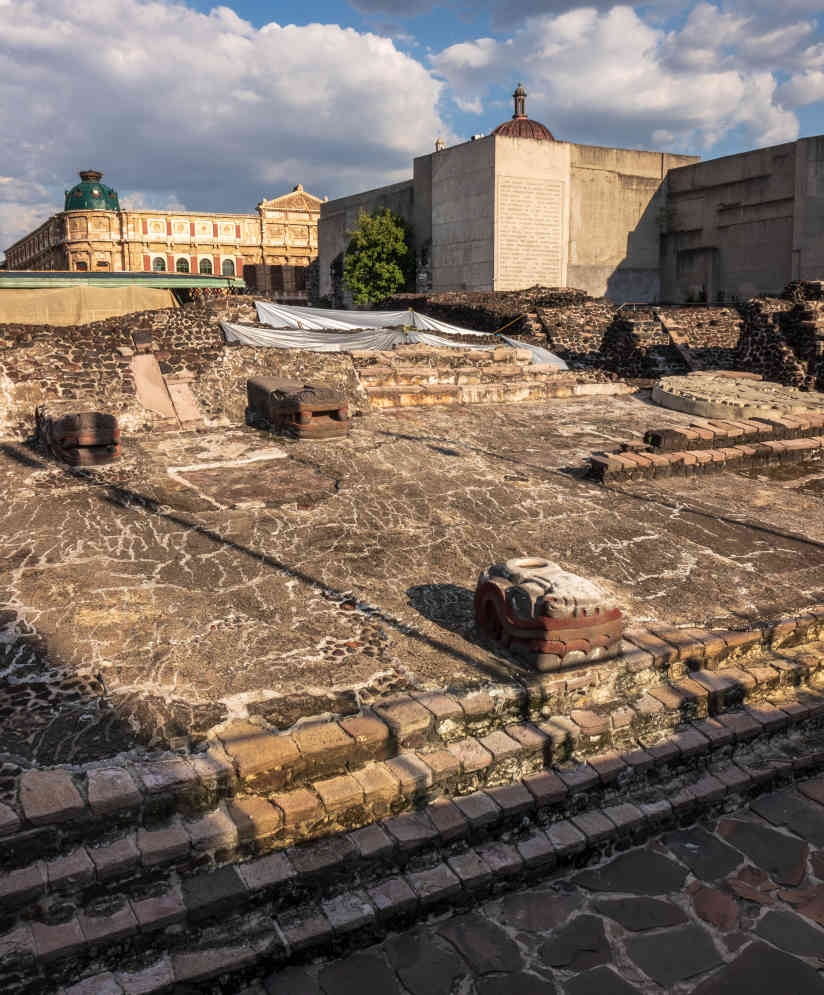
(733, 907)
(145, 606)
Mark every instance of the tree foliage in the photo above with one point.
(379, 260)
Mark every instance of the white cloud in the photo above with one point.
(205, 108)
(473, 106)
(613, 78)
(804, 88)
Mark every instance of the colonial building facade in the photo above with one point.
(271, 249)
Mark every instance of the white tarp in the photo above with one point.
(308, 328)
(372, 339)
(317, 319)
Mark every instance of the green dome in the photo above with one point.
(91, 194)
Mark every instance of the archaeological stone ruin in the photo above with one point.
(320, 666)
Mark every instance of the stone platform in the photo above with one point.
(242, 687)
(725, 395)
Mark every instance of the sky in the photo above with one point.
(202, 107)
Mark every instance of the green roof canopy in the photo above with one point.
(91, 194)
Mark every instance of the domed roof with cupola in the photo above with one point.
(520, 126)
(90, 194)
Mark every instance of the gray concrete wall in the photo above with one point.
(617, 203)
(422, 180)
(808, 214)
(531, 213)
(463, 216)
(339, 217)
(730, 226)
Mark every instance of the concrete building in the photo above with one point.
(271, 249)
(519, 207)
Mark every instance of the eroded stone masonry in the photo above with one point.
(263, 730)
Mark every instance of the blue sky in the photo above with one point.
(203, 106)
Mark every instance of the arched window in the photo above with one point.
(80, 265)
(228, 268)
(159, 264)
(206, 266)
(182, 265)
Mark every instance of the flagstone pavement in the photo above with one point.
(733, 906)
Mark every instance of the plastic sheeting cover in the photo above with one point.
(307, 328)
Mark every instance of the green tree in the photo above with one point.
(379, 260)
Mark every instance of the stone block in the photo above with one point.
(112, 790)
(531, 739)
(434, 885)
(96, 984)
(594, 825)
(514, 800)
(372, 737)
(214, 768)
(502, 747)
(171, 776)
(160, 910)
(305, 928)
(608, 766)
(411, 723)
(473, 872)
(340, 795)
(157, 977)
(193, 966)
(536, 850)
(479, 809)
(444, 765)
(625, 817)
(272, 871)
(379, 786)
(213, 831)
(566, 839)
(70, 870)
(412, 831)
(579, 779)
(214, 893)
(372, 843)
(58, 940)
(471, 755)
(448, 819)
(9, 820)
(447, 711)
(348, 912)
(49, 796)
(323, 858)
(260, 754)
(255, 818)
(301, 808)
(393, 898)
(20, 886)
(161, 846)
(113, 859)
(503, 859)
(109, 926)
(547, 788)
(413, 775)
(325, 748)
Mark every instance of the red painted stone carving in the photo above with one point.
(550, 617)
(305, 411)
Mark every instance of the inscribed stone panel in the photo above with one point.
(275, 234)
(528, 232)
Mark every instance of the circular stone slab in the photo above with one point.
(709, 395)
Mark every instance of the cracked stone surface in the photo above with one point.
(148, 601)
(570, 936)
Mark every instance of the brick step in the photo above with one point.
(706, 707)
(352, 888)
(661, 676)
(492, 392)
(382, 376)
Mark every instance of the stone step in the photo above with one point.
(704, 711)
(540, 387)
(353, 888)
(325, 770)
